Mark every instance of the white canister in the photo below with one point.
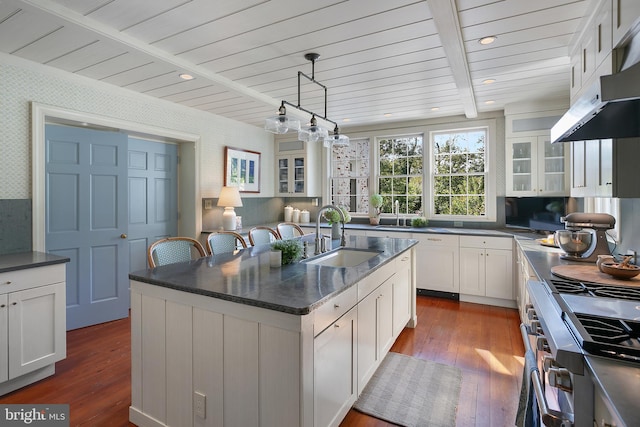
(288, 211)
(304, 216)
(295, 216)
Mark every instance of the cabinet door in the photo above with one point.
(552, 168)
(498, 274)
(37, 328)
(625, 14)
(401, 294)
(437, 265)
(4, 338)
(521, 166)
(472, 271)
(367, 339)
(578, 171)
(298, 175)
(282, 174)
(385, 317)
(605, 169)
(334, 371)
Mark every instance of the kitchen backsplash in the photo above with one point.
(15, 225)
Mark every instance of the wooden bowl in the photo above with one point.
(620, 273)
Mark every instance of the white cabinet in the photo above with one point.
(334, 385)
(525, 273)
(32, 324)
(375, 334)
(437, 261)
(402, 295)
(625, 17)
(535, 167)
(601, 168)
(257, 366)
(297, 172)
(486, 267)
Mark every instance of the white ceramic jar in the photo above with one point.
(288, 213)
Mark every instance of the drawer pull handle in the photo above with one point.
(404, 258)
(434, 240)
(336, 305)
(8, 282)
(3, 306)
(14, 303)
(336, 325)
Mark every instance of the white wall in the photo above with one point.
(23, 82)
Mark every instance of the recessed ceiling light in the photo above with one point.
(388, 114)
(435, 108)
(488, 81)
(185, 76)
(489, 102)
(487, 40)
(346, 120)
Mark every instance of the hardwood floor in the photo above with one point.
(483, 341)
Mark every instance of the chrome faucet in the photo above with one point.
(342, 239)
(397, 203)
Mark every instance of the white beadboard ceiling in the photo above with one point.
(377, 57)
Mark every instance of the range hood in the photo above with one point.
(609, 108)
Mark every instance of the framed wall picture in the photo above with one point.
(242, 169)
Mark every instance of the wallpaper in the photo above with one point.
(22, 82)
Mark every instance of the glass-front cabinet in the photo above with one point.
(295, 170)
(535, 167)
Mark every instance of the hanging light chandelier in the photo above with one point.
(282, 123)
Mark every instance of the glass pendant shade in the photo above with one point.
(281, 123)
(313, 132)
(336, 139)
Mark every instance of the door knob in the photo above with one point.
(123, 236)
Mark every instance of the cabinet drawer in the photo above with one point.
(330, 311)
(486, 242)
(438, 239)
(17, 280)
(375, 279)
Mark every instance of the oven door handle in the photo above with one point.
(549, 417)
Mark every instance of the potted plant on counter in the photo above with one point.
(375, 201)
(333, 218)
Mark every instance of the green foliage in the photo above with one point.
(419, 222)
(376, 200)
(291, 250)
(332, 216)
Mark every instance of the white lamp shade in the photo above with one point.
(230, 197)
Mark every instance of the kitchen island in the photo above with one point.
(229, 340)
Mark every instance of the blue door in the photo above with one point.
(152, 192)
(86, 220)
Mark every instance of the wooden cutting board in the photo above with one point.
(590, 273)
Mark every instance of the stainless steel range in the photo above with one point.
(571, 323)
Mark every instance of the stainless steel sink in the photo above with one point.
(343, 257)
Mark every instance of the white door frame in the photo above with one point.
(189, 195)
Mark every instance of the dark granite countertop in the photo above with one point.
(246, 277)
(24, 260)
(620, 381)
(403, 229)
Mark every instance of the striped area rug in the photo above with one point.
(412, 392)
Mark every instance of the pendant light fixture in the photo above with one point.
(282, 123)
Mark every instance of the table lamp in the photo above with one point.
(229, 198)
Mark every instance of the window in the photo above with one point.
(459, 173)
(350, 176)
(400, 173)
